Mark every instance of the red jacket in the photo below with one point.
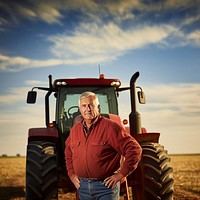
(98, 154)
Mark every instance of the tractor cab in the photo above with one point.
(68, 108)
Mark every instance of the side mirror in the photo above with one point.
(141, 97)
(31, 97)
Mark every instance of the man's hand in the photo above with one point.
(111, 181)
(75, 180)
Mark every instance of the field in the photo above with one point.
(186, 175)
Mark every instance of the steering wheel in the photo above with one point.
(70, 114)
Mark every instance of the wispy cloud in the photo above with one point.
(13, 64)
(178, 97)
(90, 44)
(195, 37)
(44, 12)
(32, 10)
(13, 96)
(18, 95)
(106, 32)
(183, 99)
(92, 39)
(53, 12)
(34, 83)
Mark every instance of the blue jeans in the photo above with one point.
(96, 190)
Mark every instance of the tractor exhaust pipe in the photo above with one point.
(134, 116)
(47, 113)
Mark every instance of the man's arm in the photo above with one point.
(132, 155)
(128, 147)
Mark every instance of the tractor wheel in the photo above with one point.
(154, 175)
(41, 171)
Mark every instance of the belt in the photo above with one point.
(92, 179)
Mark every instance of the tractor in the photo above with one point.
(46, 172)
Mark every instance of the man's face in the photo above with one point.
(88, 108)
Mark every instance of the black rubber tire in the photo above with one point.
(155, 174)
(41, 171)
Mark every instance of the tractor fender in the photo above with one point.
(43, 134)
(148, 137)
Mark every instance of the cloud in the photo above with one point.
(17, 95)
(92, 39)
(195, 37)
(48, 13)
(101, 33)
(33, 83)
(13, 64)
(13, 95)
(32, 10)
(174, 111)
(181, 100)
(93, 43)
(53, 12)
(90, 44)
(177, 104)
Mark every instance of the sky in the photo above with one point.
(70, 39)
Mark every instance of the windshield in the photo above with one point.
(68, 104)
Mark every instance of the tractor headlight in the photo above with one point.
(61, 83)
(116, 83)
(58, 83)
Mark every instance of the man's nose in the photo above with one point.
(88, 107)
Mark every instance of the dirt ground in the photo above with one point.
(186, 175)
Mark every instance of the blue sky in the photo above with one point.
(160, 39)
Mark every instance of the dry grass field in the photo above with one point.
(186, 174)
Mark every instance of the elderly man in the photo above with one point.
(93, 152)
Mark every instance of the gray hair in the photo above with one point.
(88, 94)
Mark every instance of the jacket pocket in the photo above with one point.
(100, 148)
(100, 143)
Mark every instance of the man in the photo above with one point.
(93, 152)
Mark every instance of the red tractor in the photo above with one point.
(45, 165)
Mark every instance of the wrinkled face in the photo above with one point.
(89, 108)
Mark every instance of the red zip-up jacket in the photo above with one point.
(98, 154)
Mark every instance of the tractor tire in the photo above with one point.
(154, 174)
(41, 171)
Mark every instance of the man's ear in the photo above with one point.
(99, 108)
